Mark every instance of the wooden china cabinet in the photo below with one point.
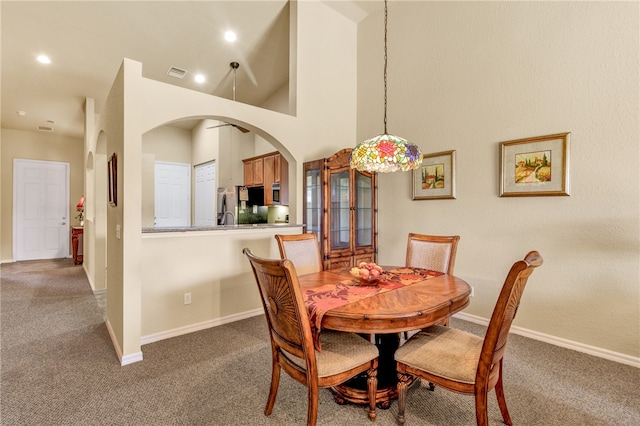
(340, 206)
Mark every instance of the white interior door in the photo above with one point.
(41, 209)
(205, 193)
(172, 195)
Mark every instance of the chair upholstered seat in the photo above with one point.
(444, 351)
(340, 352)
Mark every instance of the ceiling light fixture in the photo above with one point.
(199, 78)
(385, 153)
(44, 59)
(230, 36)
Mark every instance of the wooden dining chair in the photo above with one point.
(343, 355)
(461, 361)
(434, 252)
(303, 250)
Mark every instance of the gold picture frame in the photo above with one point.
(112, 176)
(435, 179)
(537, 166)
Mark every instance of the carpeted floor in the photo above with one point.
(58, 367)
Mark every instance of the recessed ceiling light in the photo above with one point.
(230, 36)
(199, 78)
(44, 59)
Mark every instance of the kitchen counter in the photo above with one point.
(220, 227)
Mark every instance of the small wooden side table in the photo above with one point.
(76, 242)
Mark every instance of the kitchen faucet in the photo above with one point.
(224, 218)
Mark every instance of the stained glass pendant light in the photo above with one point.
(385, 153)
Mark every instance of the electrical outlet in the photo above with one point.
(187, 298)
(472, 292)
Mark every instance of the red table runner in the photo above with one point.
(319, 300)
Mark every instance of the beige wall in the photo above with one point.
(468, 75)
(225, 289)
(37, 146)
(321, 126)
(169, 144)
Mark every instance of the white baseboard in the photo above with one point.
(126, 359)
(130, 359)
(89, 276)
(200, 326)
(558, 341)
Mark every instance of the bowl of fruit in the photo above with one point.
(367, 273)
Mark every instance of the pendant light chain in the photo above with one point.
(385, 67)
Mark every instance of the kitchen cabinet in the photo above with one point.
(273, 168)
(276, 171)
(253, 172)
(268, 180)
(277, 167)
(340, 206)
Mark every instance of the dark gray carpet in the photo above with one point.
(58, 367)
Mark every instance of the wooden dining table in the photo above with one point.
(406, 299)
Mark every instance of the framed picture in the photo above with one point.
(535, 166)
(435, 178)
(112, 171)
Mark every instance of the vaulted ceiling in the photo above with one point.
(87, 40)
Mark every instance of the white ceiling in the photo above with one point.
(87, 40)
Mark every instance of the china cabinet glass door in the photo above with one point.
(313, 202)
(363, 210)
(339, 206)
(340, 216)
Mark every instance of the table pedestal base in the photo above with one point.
(355, 389)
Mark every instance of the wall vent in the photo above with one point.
(45, 128)
(176, 72)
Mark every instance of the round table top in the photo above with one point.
(412, 307)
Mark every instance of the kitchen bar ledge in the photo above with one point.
(222, 227)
